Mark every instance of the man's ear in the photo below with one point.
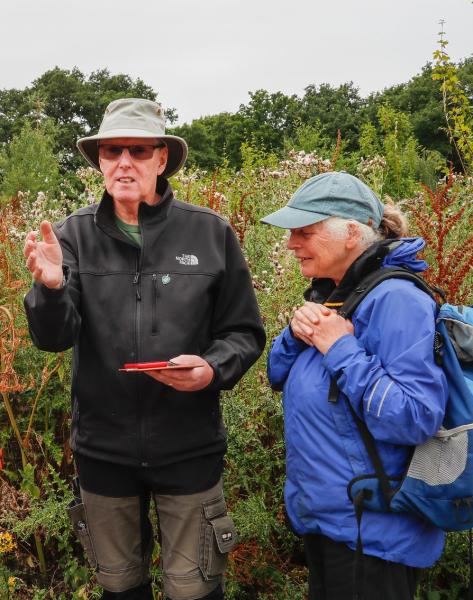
(354, 235)
(163, 159)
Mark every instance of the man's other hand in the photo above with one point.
(186, 380)
(44, 259)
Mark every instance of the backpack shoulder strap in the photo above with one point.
(375, 278)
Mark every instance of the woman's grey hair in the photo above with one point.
(393, 225)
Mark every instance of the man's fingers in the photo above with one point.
(47, 232)
(31, 261)
(30, 243)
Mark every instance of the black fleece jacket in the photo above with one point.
(186, 291)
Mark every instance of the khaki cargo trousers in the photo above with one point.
(196, 535)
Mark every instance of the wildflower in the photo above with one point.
(7, 543)
(11, 583)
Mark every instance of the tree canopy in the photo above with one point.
(73, 101)
(272, 122)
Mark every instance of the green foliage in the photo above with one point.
(449, 578)
(274, 122)
(336, 108)
(421, 99)
(29, 163)
(309, 138)
(368, 141)
(393, 162)
(268, 562)
(399, 149)
(73, 101)
(243, 165)
(456, 104)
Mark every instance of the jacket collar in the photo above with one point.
(148, 215)
(324, 290)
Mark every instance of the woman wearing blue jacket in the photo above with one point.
(383, 362)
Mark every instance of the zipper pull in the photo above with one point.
(136, 281)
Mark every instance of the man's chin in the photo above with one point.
(126, 196)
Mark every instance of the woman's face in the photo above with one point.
(319, 254)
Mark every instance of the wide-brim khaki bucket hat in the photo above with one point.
(135, 118)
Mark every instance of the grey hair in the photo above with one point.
(393, 225)
(338, 229)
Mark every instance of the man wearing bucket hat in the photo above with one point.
(142, 277)
(379, 365)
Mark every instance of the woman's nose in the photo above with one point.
(292, 241)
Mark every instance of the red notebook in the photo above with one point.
(156, 366)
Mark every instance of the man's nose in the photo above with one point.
(125, 158)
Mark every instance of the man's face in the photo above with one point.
(129, 179)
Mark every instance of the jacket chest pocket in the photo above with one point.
(179, 298)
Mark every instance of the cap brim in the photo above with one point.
(293, 218)
(177, 147)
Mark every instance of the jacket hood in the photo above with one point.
(404, 255)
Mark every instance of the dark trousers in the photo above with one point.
(331, 573)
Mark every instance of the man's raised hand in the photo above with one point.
(44, 258)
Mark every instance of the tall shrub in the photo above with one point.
(29, 164)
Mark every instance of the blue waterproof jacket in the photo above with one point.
(388, 374)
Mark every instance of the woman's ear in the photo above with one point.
(354, 235)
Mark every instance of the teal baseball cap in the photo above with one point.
(333, 194)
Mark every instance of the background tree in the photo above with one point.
(270, 121)
(336, 108)
(73, 101)
(29, 163)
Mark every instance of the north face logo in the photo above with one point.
(187, 259)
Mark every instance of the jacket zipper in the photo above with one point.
(137, 282)
(154, 306)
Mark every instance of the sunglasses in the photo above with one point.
(137, 151)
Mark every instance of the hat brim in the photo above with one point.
(293, 218)
(177, 147)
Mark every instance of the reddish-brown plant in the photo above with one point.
(214, 197)
(241, 218)
(437, 219)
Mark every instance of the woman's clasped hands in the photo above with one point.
(319, 326)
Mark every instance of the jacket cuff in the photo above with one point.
(340, 354)
(51, 292)
(290, 340)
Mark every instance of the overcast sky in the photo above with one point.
(204, 56)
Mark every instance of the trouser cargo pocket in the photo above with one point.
(77, 515)
(218, 536)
